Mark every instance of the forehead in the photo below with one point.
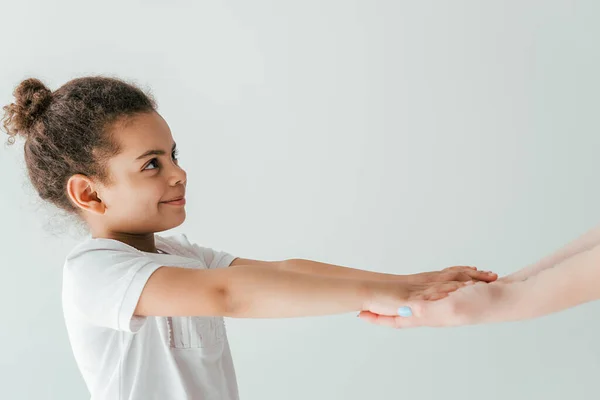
(142, 132)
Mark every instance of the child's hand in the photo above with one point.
(391, 298)
(458, 273)
(469, 305)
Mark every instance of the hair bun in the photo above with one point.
(32, 98)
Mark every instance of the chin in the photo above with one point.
(171, 222)
(158, 222)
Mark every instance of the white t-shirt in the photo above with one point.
(125, 357)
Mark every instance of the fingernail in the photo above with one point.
(405, 312)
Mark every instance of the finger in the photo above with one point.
(435, 296)
(485, 276)
(382, 320)
(389, 321)
(436, 288)
(447, 287)
(460, 276)
(367, 315)
(461, 268)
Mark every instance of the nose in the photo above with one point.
(179, 176)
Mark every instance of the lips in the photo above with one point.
(174, 199)
(180, 200)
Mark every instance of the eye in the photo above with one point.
(153, 162)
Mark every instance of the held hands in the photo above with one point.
(433, 300)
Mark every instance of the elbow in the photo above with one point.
(230, 304)
(223, 303)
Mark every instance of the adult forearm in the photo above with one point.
(570, 283)
(585, 242)
(567, 284)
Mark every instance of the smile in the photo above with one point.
(175, 202)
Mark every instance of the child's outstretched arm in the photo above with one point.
(266, 292)
(571, 282)
(457, 273)
(584, 242)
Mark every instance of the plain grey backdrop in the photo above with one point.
(396, 136)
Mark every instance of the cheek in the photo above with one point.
(148, 194)
(138, 195)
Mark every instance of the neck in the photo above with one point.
(142, 241)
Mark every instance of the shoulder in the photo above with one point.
(180, 244)
(95, 254)
(99, 244)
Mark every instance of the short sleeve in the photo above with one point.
(212, 258)
(104, 282)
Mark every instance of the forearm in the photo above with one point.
(574, 281)
(263, 292)
(338, 271)
(583, 243)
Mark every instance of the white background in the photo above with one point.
(396, 136)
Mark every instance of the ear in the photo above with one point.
(81, 190)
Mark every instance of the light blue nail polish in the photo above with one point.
(405, 312)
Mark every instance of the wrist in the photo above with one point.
(477, 304)
(367, 293)
(419, 278)
(383, 297)
(385, 277)
(502, 303)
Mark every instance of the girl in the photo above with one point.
(144, 312)
(564, 279)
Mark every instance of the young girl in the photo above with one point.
(144, 312)
(564, 279)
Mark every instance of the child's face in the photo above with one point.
(141, 184)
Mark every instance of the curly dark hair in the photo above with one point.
(69, 131)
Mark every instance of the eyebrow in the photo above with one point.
(156, 152)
